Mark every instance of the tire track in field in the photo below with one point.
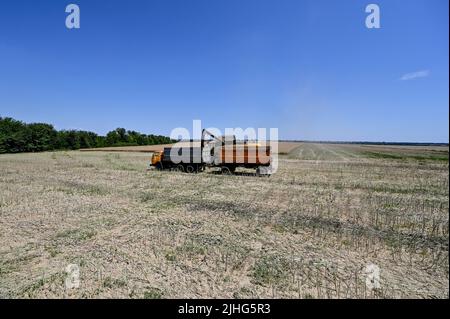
(334, 155)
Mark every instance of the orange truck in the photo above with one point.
(219, 152)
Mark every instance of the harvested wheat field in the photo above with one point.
(309, 231)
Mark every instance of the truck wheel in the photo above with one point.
(180, 168)
(226, 170)
(159, 166)
(262, 171)
(259, 172)
(190, 169)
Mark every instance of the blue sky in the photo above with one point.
(310, 68)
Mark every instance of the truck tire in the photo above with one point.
(159, 166)
(180, 168)
(262, 171)
(226, 170)
(190, 169)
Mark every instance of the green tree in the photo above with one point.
(41, 137)
(16, 136)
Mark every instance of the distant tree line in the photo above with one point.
(16, 137)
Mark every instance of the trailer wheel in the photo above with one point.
(190, 169)
(262, 171)
(226, 170)
(180, 168)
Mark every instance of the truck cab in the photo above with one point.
(156, 159)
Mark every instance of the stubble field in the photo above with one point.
(309, 231)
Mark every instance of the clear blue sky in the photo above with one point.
(310, 68)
